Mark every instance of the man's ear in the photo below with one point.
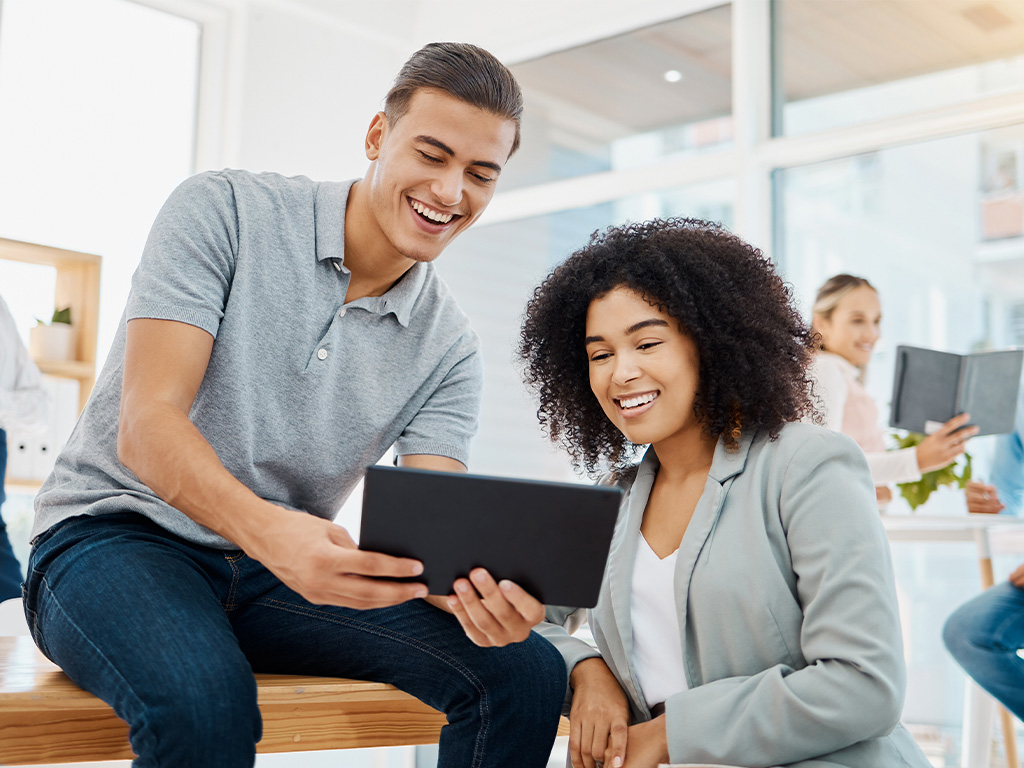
(375, 135)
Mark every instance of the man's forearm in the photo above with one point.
(166, 452)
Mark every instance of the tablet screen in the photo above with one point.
(550, 538)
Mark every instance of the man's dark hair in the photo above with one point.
(752, 345)
(465, 71)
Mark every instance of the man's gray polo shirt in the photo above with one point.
(302, 391)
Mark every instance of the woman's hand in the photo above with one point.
(494, 615)
(941, 448)
(648, 744)
(599, 718)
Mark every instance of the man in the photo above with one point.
(280, 335)
(23, 406)
(985, 633)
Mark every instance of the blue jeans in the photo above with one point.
(169, 634)
(10, 568)
(984, 635)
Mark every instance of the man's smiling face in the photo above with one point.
(434, 171)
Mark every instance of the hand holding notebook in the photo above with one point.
(930, 387)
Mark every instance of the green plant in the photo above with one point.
(59, 316)
(917, 492)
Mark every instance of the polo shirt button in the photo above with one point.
(321, 354)
(341, 312)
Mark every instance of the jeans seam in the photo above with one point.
(230, 604)
(467, 673)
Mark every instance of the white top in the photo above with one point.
(23, 403)
(657, 648)
(841, 400)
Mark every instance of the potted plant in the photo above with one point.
(917, 492)
(54, 340)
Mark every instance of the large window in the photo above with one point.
(627, 101)
(938, 228)
(99, 99)
(99, 103)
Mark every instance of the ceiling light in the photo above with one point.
(673, 76)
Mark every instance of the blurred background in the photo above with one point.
(879, 137)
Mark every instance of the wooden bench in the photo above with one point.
(45, 718)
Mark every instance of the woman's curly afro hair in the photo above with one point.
(727, 297)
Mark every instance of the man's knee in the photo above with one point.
(538, 672)
(201, 719)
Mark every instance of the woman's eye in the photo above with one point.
(597, 356)
(649, 345)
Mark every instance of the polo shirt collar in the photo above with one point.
(329, 217)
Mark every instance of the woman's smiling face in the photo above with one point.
(644, 371)
(854, 326)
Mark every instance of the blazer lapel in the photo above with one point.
(620, 568)
(725, 465)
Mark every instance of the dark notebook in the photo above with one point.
(931, 387)
(550, 538)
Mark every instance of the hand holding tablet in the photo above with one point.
(551, 539)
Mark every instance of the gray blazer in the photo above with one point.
(787, 611)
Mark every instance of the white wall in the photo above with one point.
(306, 90)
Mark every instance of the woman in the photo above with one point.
(847, 316)
(748, 614)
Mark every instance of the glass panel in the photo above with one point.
(938, 228)
(626, 101)
(493, 271)
(840, 63)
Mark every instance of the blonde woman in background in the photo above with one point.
(847, 315)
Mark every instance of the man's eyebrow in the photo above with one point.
(654, 321)
(451, 152)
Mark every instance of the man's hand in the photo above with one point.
(1017, 577)
(983, 499)
(599, 718)
(494, 615)
(648, 744)
(319, 560)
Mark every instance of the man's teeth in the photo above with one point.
(422, 210)
(633, 402)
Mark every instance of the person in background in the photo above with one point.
(281, 335)
(748, 612)
(1004, 492)
(984, 634)
(847, 317)
(23, 406)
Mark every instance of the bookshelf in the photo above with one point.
(78, 287)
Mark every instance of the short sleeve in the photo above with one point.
(447, 421)
(188, 262)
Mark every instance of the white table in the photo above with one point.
(979, 707)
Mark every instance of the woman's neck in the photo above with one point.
(683, 456)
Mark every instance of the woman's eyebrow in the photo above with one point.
(654, 321)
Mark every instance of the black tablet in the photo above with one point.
(550, 538)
